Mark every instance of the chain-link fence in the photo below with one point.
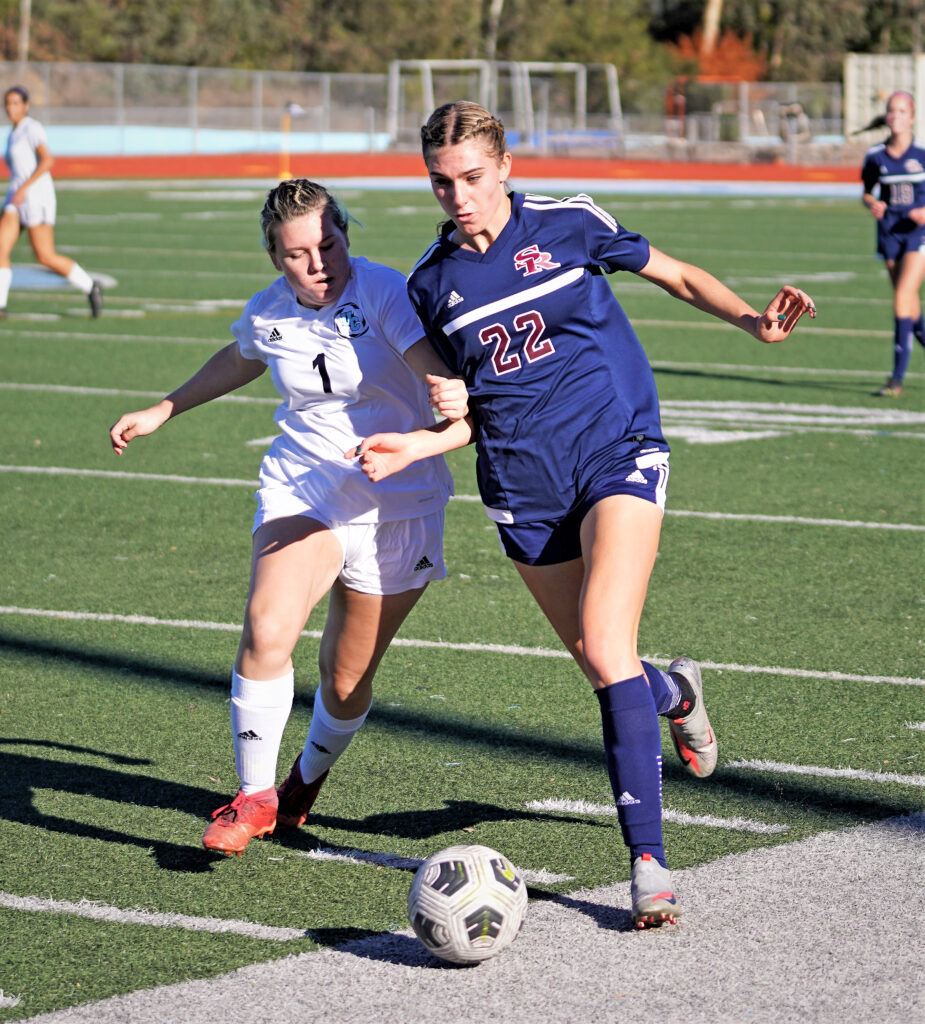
(547, 108)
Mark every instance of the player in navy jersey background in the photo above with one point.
(893, 174)
(572, 463)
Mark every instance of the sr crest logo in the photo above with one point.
(532, 261)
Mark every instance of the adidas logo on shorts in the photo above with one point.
(423, 563)
(636, 478)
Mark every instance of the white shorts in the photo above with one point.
(39, 208)
(379, 558)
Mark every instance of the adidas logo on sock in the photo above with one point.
(454, 300)
(275, 337)
(249, 735)
(627, 799)
(636, 478)
(424, 563)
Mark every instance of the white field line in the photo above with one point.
(390, 860)
(918, 726)
(471, 498)
(718, 325)
(446, 645)
(70, 389)
(701, 325)
(7, 1002)
(789, 413)
(151, 251)
(673, 817)
(692, 421)
(800, 371)
(828, 773)
(116, 915)
(102, 337)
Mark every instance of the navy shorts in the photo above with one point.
(893, 244)
(642, 472)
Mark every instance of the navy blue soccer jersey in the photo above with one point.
(901, 182)
(557, 378)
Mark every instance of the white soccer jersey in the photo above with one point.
(21, 158)
(342, 377)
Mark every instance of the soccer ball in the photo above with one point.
(467, 903)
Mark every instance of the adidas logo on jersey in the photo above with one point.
(275, 337)
(454, 300)
(636, 478)
(423, 563)
(627, 799)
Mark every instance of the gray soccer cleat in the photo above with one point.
(95, 298)
(693, 735)
(654, 901)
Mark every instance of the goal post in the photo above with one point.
(543, 104)
(870, 78)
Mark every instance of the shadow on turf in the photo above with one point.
(23, 773)
(407, 951)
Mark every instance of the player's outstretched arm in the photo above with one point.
(381, 455)
(448, 394)
(705, 292)
(226, 371)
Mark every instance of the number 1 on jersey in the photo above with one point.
(318, 364)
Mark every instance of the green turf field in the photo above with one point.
(792, 563)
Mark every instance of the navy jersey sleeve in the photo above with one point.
(610, 245)
(870, 172)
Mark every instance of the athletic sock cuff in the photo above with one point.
(262, 692)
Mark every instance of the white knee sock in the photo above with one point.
(79, 278)
(6, 276)
(327, 739)
(259, 712)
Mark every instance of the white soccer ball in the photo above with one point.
(467, 903)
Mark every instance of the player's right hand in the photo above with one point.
(135, 424)
(448, 396)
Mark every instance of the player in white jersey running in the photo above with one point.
(30, 203)
(345, 351)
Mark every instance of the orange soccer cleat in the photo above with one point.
(234, 825)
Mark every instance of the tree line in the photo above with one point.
(792, 40)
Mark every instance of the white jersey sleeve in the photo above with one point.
(21, 155)
(386, 292)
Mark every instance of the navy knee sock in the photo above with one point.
(918, 329)
(666, 692)
(902, 346)
(633, 751)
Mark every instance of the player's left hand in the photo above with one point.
(381, 455)
(448, 395)
(783, 314)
